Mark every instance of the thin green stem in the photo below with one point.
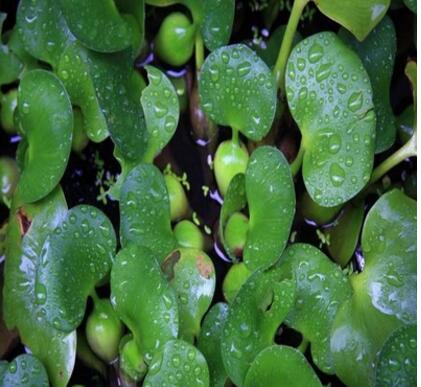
(284, 51)
(235, 137)
(296, 164)
(303, 345)
(199, 51)
(94, 296)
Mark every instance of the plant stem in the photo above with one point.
(303, 345)
(284, 51)
(199, 51)
(296, 164)
(94, 296)
(235, 137)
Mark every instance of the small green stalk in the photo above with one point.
(294, 18)
(296, 164)
(199, 51)
(235, 137)
(303, 345)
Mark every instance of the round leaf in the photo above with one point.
(330, 98)
(179, 364)
(24, 371)
(192, 274)
(74, 258)
(280, 362)
(143, 299)
(145, 211)
(46, 117)
(237, 89)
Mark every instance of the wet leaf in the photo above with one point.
(145, 211)
(143, 299)
(379, 49)
(46, 117)
(24, 371)
(28, 228)
(160, 105)
(218, 18)
(384, 293)
(321, 289)
(253, 318)
(209, 343)
(179, 364)
(192, 275)
(358, 16)
(280, 362)
(74, 258)
(237, 89)
(330, 98)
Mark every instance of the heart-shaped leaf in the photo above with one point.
(24, 371)
(379, 48)
(279, 362)
(321, 289)
(209, 343)
(179, 364)
(384, 293)
(358, 16)
(237, 89)
(192, 274)
(330, 98)
(46, 117)
(97, 24)
(28, 228)
(74, 258)
(145, 211)
(253, 318)
(43, 29)
(396, 362)
(143, 299)
(160, 105)
(102, 86)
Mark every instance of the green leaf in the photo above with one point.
(321, 289)
(43, 30)
(75, 257)
(209, 343)
(253, 318)
(405, 124)
(161, 108)
(179, 364)
(344, 234)
(237, 89)
(102, 86)
(379, 48)
(28, 228)
(280, 362)
(384, 293)
(97, 24)
(143, 299)
(24, 371)
(358, 16)
(330, 98)
(271, 201)
(192, 275)
(46, 117)
(218, 18)
(396, 362)
(145, 211)
(411, 4)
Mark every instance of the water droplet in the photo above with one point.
(337, 175)
(160, 110)
(315, 53)
(225, 57)
(355, 101)
(334, 143)
(243, 68)
(301, 64)
(323, 72)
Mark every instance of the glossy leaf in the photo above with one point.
(145, 211)
(379, 49)
(396, 362)
(209, 343)
(24, 371)
(321, 286)
(358, 16)
(271, 201)
(384, 293)
(235, 278)
(405, 124)
(237, 89)
(143, 299)
(160, 105)
(102, 86)
(75, 257)
(179, 364)
(46, 117)
(330, 98)
(28, 228)
(43, 29)
(192, 275)
(97, 24)
(281, 363)
(253, 318)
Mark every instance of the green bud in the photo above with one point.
(230, 159)
(315, 212)
(8, 105)
(234, 279)
(235, 233)
(178, 200)
(189, 235)
(131, 360)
